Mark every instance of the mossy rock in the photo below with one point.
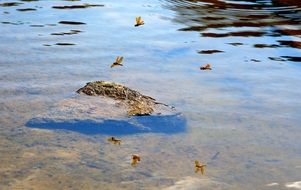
(136, 103)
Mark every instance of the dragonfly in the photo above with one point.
(206, 67)
(139, 21)
(117, 62)
(114, 140)
(135, 159)
(199, 167)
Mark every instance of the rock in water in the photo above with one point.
(136, 103)
(108, 114)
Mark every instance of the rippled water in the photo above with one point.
(242, 118)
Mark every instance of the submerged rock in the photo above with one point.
(108, 114)
(136, 103)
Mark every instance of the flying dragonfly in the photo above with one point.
(117, 62)
(199, 167)
(206, 67)
(139, 21)
(135, 159)
(114, 140)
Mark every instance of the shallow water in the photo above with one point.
(242, 118)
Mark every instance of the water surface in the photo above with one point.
(242, 118)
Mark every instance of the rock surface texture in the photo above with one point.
(136, 103)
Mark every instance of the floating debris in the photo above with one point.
(86, 5)
(206, 67)
(114, 140)
(139, 21)
(199, 167)
(135, 159)
(117, 62)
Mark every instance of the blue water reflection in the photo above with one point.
(144, 124)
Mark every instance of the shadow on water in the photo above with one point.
(170, 124)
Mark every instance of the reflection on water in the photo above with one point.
(242, 118)
(231, 14)
(220, 19)
(77, 6)
(147, 124)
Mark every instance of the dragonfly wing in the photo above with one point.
(120, 60)
(203, 170)
(117, 60)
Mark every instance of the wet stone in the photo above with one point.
(136, 103)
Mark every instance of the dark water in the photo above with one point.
(242, 118)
